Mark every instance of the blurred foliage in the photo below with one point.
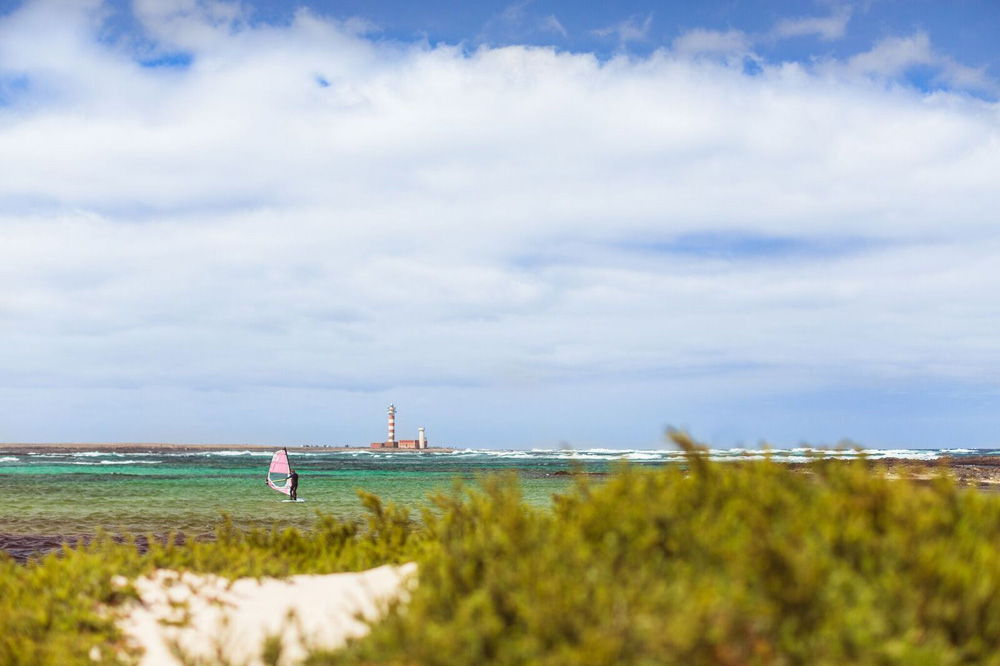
(732, 563)
(747, 563)
(389, 536)
(50, 611)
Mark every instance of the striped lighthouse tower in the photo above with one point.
(392, 426)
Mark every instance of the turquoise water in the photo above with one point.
(48, 497)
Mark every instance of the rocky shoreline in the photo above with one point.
(980, 471)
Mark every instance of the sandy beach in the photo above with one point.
(205, 617)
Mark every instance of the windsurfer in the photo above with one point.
(294, 476)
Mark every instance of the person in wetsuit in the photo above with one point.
(293, 475)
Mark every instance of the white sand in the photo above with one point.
(213, 620)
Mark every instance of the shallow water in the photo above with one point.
(46, 498)
(51, 497)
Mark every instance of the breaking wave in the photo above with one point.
(120, 462)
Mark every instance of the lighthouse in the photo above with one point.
(391, 442)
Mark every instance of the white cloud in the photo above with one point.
(515, 12)
(712, 42)
(632, 29)
(516, 22)
(190, 23)
(828, 28)
(894, 56)
(551, 24)
(503, 221)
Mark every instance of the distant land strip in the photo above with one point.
(152, 447)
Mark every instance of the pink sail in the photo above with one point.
(277, 473)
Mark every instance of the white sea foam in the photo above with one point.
(810, 449)
(747, 456)
(797, 454)
(120, 462)
(666, 456)
(9, 459)
(641, 455)
(77, 454)
(905, 455)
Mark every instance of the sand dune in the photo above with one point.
(212, 619)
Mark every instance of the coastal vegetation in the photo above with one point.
(706, 563)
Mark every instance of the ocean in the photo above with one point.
(50, 497)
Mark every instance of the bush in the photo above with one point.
(748, 563)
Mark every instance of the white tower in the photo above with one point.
(422, 442)
(392, 425)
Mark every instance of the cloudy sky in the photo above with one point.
(535, 224)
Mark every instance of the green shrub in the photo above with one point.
(389, 536)
(748, 563)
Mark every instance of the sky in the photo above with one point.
(528, 225)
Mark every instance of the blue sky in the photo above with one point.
(527, 225)
(965, 28)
